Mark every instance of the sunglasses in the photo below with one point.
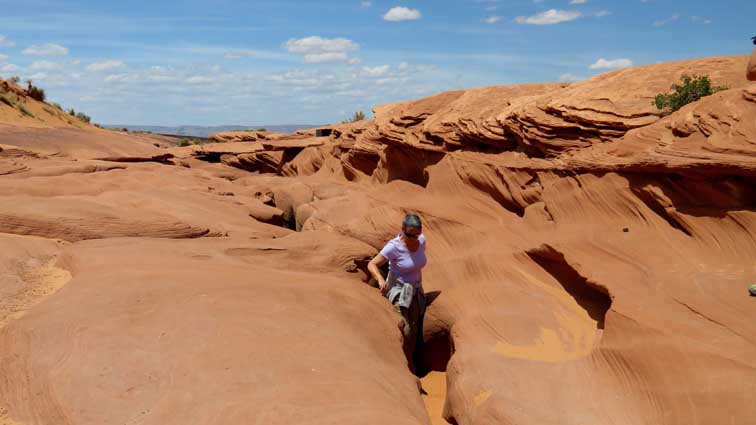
(411, 235)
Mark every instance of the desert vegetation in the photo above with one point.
(17, 99)
(358, 116)
(688, 90)
(189, 141)
(80, 115)
(35, 92)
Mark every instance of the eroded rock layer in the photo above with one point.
(589, 261)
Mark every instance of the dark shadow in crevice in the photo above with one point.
(436, 346)
(409, 164)
(434, 353)
(211, 157)
(360, 160)
(488, 146)
(430, 297)
(593, 298)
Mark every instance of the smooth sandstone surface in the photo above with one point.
(589, 263)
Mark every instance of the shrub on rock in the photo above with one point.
(689, 90)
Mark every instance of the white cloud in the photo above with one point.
(401, 13)
(161, 78)
(611, 64)
(492, 19)
(48, 49)
(569, 78)
(117, 77)
(602, 13)
(38, 76)
(549, 17)
(317, 44)
(298, 78)
(200, 79)
(327, 57)
(578, 1)
(9, 68)
(662, 22)
(366, 3)
(317, 49)
(104, 66)
(4, 42)
(376, 71)
(44, 65)
(3, 58)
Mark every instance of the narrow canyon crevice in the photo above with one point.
(431, 357)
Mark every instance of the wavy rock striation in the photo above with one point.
(589, 261)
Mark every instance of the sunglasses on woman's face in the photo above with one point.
(411, 235)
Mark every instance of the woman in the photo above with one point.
(751, 71)
(403, 287)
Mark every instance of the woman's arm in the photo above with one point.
(751, 70)
(373, 267)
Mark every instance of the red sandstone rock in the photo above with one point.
(245, 136)
(588, 263)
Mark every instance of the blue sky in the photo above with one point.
(315, 62)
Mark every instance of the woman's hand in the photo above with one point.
(383, 286)
(373, 267)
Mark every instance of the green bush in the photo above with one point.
(72, 112)
(184, 142)
(14, 80)
(35, 93)
(689, 90)
(84, 117)
(358, 116)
